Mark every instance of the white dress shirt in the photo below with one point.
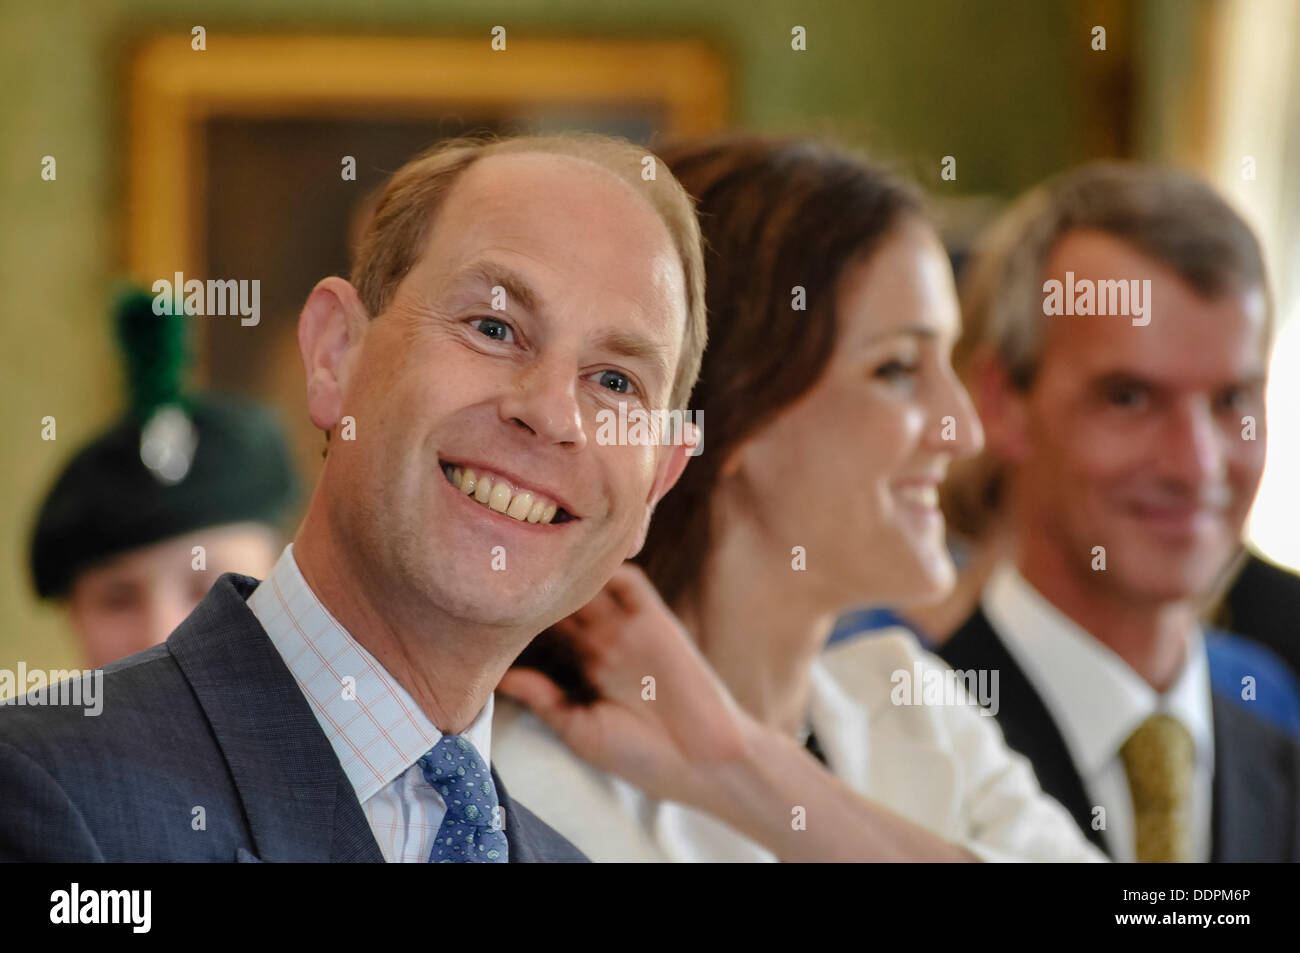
(1098, 701)
(945, 767)
(374, 726)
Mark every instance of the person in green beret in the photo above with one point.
(146, 516)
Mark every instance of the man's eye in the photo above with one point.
(616, 381)
(491, 327)
(1126, 398)
(1233, 398)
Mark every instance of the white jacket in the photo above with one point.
(944, 767)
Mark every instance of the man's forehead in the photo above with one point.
(1093, 250)
(1184, 328)
(1099, 256)
(508, 191)
(565, 226)
(1192, 356)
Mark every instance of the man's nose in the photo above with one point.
(544, 400)
(1191, 447)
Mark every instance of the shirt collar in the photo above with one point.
(1097, 700)
(373, 724)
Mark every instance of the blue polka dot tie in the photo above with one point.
(472, 830)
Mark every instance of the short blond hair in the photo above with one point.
(397, 234)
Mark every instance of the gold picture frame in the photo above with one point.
(173, 88)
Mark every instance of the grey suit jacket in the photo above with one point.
(205, 750)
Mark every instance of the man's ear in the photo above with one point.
(330, 331)
(1002, 409)
(672, 463)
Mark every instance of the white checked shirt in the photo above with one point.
(379, 734)
(1097, 701)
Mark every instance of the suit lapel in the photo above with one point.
(519, 841)
(1025, 721)
(299, 803)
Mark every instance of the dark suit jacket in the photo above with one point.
(1256, 810)
(210, 719)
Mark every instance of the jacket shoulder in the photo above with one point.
(128, 703)
(134, 770)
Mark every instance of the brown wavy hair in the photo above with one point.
(775, 214)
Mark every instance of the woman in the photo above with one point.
(832, 413)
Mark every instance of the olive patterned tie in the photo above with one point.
(472, 830)
(1158, 758)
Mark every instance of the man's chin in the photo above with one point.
(473, 595)
(1168, 581)
(507, 607)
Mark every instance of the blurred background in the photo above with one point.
(226, 162)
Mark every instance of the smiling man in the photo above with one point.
(505, 293)
(1130, 454)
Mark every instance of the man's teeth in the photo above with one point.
(922, 495)
(497, 494)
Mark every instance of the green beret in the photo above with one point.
(173, 464)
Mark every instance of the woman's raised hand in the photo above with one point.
(664, 720)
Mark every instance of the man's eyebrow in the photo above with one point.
(491, 275)
(1127, 378)
(1122, 378)
(629, 344)
(1252, 379)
